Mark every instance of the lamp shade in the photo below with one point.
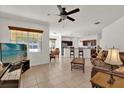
(113, 57)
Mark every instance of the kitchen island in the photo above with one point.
(86, 52)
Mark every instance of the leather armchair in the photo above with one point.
(100, 66)
(55, 51)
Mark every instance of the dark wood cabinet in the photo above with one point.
(68, 43)
(86, 42)
(93, 42)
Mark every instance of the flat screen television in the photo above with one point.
(11, 53)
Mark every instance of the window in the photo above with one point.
(31, 38)
(34, 46)
(52, 43)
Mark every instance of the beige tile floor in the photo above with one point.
(56, 74)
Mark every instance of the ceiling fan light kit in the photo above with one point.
(65, 15)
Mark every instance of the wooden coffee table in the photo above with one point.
(78, 63)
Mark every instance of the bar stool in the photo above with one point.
(80, 53)
(72, 52)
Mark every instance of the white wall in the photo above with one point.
(90, 37)
(99, 37)
(35, 58)
(113, 35)
(67, 38)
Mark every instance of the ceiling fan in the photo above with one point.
(65, 15)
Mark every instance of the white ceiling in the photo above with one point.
(85, 19)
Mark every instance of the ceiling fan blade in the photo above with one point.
(53, 14)
(60, 8)
(73, 11)
(60, 20)
(70, 18)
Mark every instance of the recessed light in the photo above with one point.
(97, 22)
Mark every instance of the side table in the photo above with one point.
(100, 80)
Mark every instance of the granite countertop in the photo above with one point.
(77, 48)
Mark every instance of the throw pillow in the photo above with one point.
(99, 62)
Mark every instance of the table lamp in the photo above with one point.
(113, 58)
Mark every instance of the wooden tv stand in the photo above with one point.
(11, 79)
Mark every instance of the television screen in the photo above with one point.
(13, 52)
